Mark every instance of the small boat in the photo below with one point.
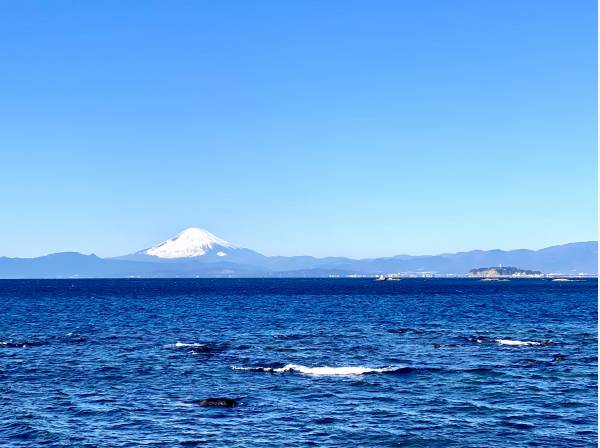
(384, 278)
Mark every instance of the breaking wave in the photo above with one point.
(511, 342)
(516, 342)
(189, 346)
(194, 348)
(326, 370)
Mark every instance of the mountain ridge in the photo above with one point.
(206, 255)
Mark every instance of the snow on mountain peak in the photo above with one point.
(192, 242)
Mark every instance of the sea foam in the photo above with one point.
(190, 344)
(325, 370)
(516, 342)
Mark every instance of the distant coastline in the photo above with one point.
(196, 253)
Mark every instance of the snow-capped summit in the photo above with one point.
(192, 242)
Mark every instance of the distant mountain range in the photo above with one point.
(198, 253)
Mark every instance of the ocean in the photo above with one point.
(310, 362)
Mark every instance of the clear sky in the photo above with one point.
(357, 128)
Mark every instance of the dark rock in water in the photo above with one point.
(559, 357)
(20, 344)
(195, 348)
(219, 402)
(403, 330)
(401, 370)
(77, 340)
(479, 339)
(200, 350)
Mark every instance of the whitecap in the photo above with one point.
(186, 345)
(515, 342)
(324, 370)
(190, 344)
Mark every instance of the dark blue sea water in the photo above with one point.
(120, 363)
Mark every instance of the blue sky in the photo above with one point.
(357, 128)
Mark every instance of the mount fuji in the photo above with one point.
(192, 242)
(197, 245)
(196, 252)
(194, 246)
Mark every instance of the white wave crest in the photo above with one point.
(324, 370)
(185, 344)
(516, 342)
(191, 344)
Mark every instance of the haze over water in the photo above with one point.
(418, 362)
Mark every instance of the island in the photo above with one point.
(503, 271)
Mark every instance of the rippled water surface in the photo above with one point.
(431, 362)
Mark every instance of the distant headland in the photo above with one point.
(504, 271)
